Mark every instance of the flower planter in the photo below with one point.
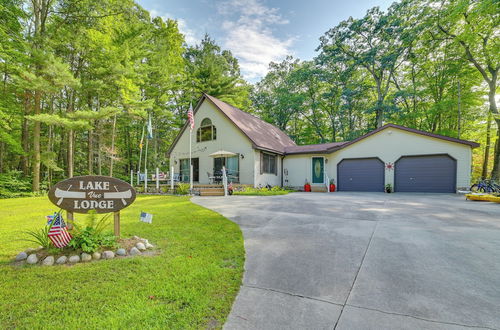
(307, 187)
(332, 187)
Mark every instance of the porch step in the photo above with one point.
(211, 191)
(321, 188)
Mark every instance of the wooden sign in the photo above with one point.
(81, 194)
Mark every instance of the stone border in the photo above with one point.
(30, 256)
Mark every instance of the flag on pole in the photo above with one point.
(191, 116)
(58, 234)
(150, 128)
(142, 141)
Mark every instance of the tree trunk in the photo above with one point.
(484, 172)
(495, 173)
(99, 152)
(36, 145)
(112, 147)
(25, 165)
(2, 149)
(379, 112)
(91, 152)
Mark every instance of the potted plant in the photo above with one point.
(307, 186)
(332, 185)
(388, 188)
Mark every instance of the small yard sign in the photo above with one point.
(103, 194)
(146, 217)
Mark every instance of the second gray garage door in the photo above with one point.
(432, 173)
(360, 174)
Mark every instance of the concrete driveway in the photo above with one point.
(366, 261)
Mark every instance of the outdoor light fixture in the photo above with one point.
(242, 156)
(175, 162)
(326, 160)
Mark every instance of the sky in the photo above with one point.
(258, 32)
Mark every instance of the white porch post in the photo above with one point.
(157, 179)
(172, 179)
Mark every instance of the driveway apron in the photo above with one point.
(365, 261)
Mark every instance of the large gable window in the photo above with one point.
(206, 132)
(268, 163)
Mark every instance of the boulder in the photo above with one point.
(74, 259)
(145, 241)
(49, 261)
(140, 246)
(121, 252)
(96, 255)
(32, 259)
(62, 260)
(149, 246)
(21, 256)
(108, 255)
(134, 251)
(136, 237)
(86, 257)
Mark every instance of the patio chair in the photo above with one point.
(211, 178)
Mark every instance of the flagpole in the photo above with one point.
(190, 163)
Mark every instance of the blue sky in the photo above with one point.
(260, 31)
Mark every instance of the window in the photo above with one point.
(206, 132)
(268, 163)
(184, 167)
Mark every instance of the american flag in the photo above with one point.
(58, 234)
(191, 116)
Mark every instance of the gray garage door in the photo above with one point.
(435, 173)
(362, 174)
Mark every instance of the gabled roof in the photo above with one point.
(264, 136)
(326, 148)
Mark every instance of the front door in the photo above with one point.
(196, 169)
(318, 168)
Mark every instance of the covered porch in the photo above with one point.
(210, 170)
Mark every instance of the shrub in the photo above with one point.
(91, 237)
(183, 188)
(40, 237)
(12, 184)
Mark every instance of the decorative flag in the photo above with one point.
(150, 128)
(191, 116)
(58, 234)
(50, 218)
(146, 217)
(142, 140)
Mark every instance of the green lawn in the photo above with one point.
(190, 284)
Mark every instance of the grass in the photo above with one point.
(250, 191)
(190, 284)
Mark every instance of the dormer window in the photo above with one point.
(206, 132)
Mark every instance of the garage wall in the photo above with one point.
(300, 169)
(229, 138)
(388, 145)
(392, 143)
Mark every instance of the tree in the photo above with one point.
(475, 27)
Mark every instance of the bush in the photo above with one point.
(12, 184)
(40, 237)
(91, 237)
(183, 188)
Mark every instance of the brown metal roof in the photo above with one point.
(313, 148)
(263, 135)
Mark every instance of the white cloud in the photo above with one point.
(250, 37)
(189, 34)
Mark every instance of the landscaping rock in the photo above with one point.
(74, 259)
(32, 259)
(86, 257)
(143, 240)
(136, 237)
(21, 256)
(96, 255)
(141, 246)
(121, 252)
(149, 246)
(30, 250)
(134, 251)
(108, 255)
(62, 260)
(49, 261)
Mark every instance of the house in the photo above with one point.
(257, 153)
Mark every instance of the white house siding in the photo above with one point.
(229, 138)
(264, 179)
(388, 145)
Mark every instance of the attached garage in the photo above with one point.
(360, 174)
(425, 173)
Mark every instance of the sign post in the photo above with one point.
(103, 194)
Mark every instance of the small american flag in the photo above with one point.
(58, 234)
(191, 116)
